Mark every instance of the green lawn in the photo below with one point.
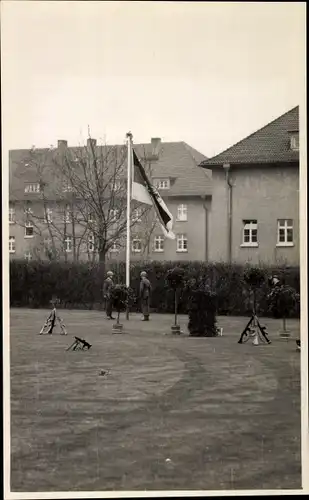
(173, 413)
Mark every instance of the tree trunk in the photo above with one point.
(284, 324)
(254, 301)
(102, 257)
(176, 306)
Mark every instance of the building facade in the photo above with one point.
(254, 214)
(48, 211)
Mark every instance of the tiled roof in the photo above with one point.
(176, 160)
(270, 144)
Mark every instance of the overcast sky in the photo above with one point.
(206, 73)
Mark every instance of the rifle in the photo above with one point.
(80, 344)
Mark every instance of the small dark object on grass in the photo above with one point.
(104, 372)
(79, 344)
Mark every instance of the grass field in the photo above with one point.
(172, 413)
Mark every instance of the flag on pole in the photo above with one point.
(144, 192)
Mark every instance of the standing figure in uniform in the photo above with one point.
(107, 294)
(145, 291)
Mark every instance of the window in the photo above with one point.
(29, 230)
(136, 215)
(28, 211)
(182, 213)
(162, 183)
(294, 141)
(12, 247)
(68, 244)
(114, 247)
(32, 188)
(91, 243)
(47, 242)
(28, 255)
(249, 233)
(285, 233)
(114, 214)
(48, 216)
(182, 243)
(67, 218)
(116, 185)
(91, 217)
(136, 245)
(158, 244)
(67, 188)
(11, 215)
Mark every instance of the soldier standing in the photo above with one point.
(145, 291)
(107, 294)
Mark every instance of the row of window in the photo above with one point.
(35, 187)
(182, 244)
(250, 235)
(284, 232)
(182, 214)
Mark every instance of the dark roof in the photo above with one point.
(270, 144)
(176, 160)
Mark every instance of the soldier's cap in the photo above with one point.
(110, 273)
(143, 273)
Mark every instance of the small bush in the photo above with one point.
(202, 311)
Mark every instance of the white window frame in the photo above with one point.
(162, 183)
(160, 240)
(283, 224)
(182, 243)
(250, 225)
(182, 213)
(91, 217)
(68, 244)
(28, 211)
(115, 247)
(48, 242)
(136, 250)
(114, 214)
(48, 219)
(28, 224)
(33, 187)
(294, 141)
(28, 255)
(11, 215)
(67, 216)
(137, 215)
(67, 187)
(91, 243)
(116, 185)
(12, 244)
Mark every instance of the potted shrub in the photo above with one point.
(120, 297)
(254, 278)
(175, 282)
(283, 300)
(202, 308)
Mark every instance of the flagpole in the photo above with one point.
(128, 242)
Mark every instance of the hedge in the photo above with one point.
(79, 285)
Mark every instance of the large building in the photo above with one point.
(48, 205)
(239, 206)
(254, 213)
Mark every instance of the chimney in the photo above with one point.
(91, 142)
(155, 146)
(62, 144)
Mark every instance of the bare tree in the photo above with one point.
(82, 201)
